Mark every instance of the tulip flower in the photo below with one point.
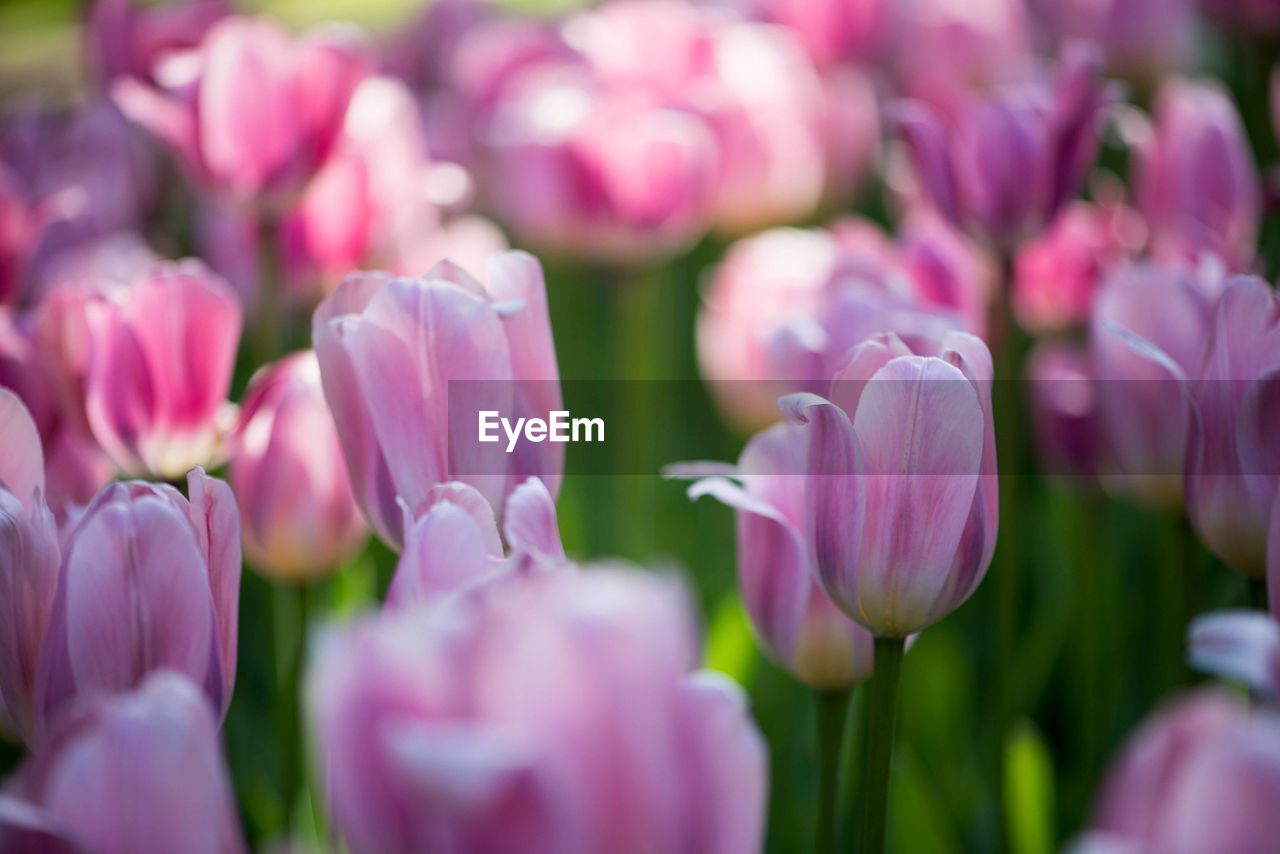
(388, 349)
(154, 361)
(1142, 404)
(795, 620)
(298, 514)
(149, 580)
(1057, 274)
(785, 306)
(1200, 775)
(251, 112)
(1064, 407)
(452, 541)
(1194, 177)
(28, 564)
(547, 712)
(128, 38)
(904, 446)
(1140, 39)
(1004, 164)
(831, 31)
(140, 772)
(1233, 467)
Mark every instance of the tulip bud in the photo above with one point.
(140, 772)
(158, 357)
(28, 564)
(298, 515)
(1195, 180)
(388, 349)
(1233, 475)
(1003, 165)
(1200, 775)
(1147, 338)
(550, 712)
(149, 580)
(796, 622)
(452, 541)
(252, 111)
(902, 486)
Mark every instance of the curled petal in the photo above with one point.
(1239, 645)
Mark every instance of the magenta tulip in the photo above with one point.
(1233, 474)
(1195, 181)
(142, 772)
(28, 565)
(1200, 775)
(128, 38)
(252, 111)
(902, 480)
(149, 580)
(797, 623)
(452, 541)
(785, 306)
(1148, 333)
(156, 359)
(1004, 164)
(553, 712)
(388, 350)
(298, 514)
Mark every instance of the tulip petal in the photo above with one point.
(868, 357)
(921, 430)
(530, 525)
(458, 766)
(1239, 645)
(216, 522)
(25, 829)
(445, 550)
(21, 456)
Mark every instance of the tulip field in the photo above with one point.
(644, 426)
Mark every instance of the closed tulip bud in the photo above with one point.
(1003, 164)
(453, 543)
(550, 712)
(157, 361)
(798, 624)
(140, 772)
(1147, 336)
(1200, 775)
(1057, 274)
(1233, 465)
(252, 111)
(388, 349)
(298, 515)
(1195, 181)
(127, 38)
(902, 486)
(28, 565)
(149, 580)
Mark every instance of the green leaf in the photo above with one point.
(1028, 791)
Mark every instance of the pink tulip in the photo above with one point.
(141, 772)
(902, 482)
(1233, 472)
(28, 565)
(1148, 333)
(452, 541)
(149, 580)
(298, 514)
(1064, 407)
(800, 627)
(1003, 165)
(785, 307)
(1057, 274)
(553, 712)
(388, 350)
(156, 364)
(252, 111)
(831, 31)
(1195, 180)
(1200, 775)
(1140, 39)
(129, 38)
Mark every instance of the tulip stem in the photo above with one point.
(881, 716)
(291, 623)
(830, 708)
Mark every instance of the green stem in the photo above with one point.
(830, 709)
(879, 745)
(291, 607)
